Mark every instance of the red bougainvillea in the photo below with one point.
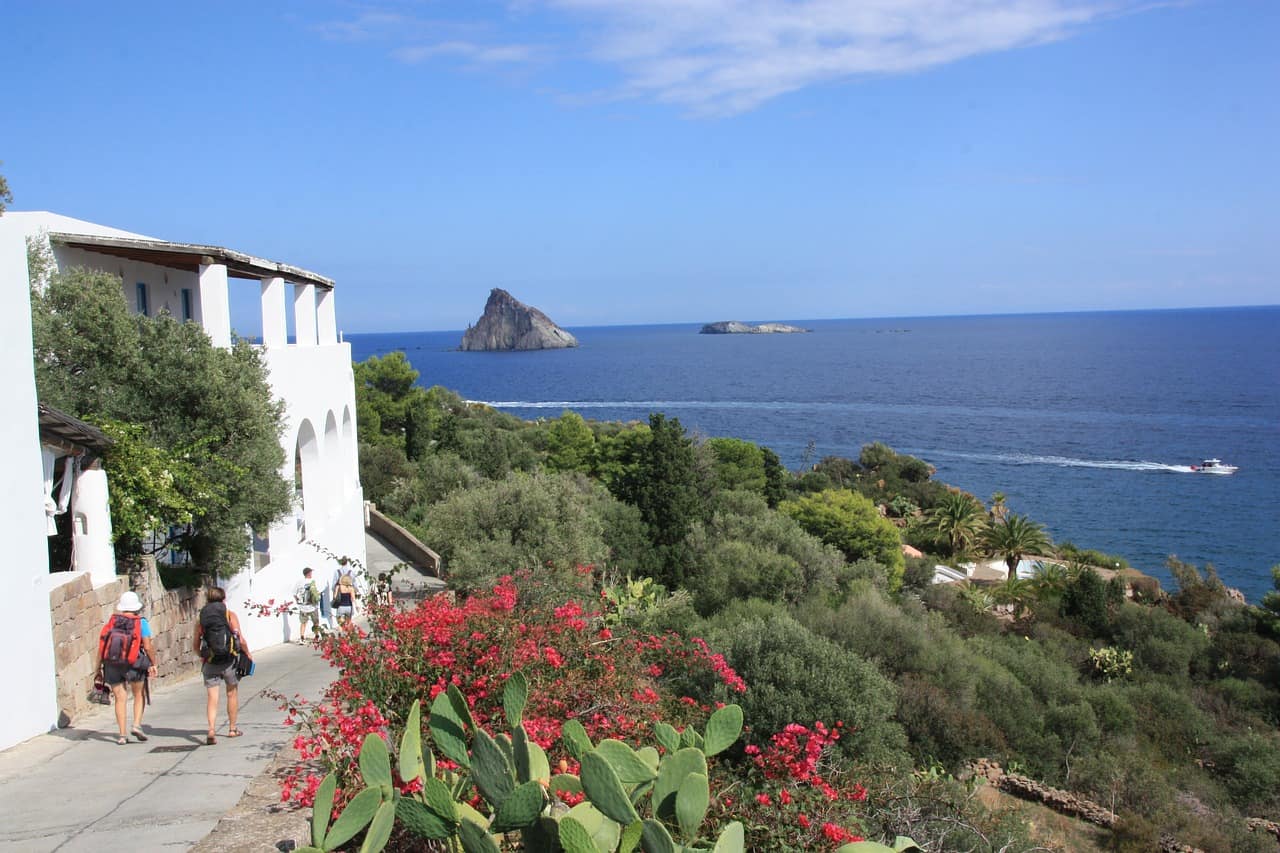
(616, 683)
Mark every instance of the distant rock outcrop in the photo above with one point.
(733, 327)
(509, 324)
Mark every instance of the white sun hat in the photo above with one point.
(129, 603)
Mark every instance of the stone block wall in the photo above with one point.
(79, 612)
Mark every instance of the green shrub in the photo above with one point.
(1111, 709)
(382, 468)
(1085, 603)
(1239, 698)
(544, 522)
(793, 674)
(1161, 642)
(918, 574)
(738, 465)
(735, 570)
(1173, 725)
(850, 522)
(792, 562)
(1249, 765)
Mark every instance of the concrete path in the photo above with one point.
(411, 582)
(77, 790)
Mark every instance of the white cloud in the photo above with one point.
(721, 57)
(487, 54)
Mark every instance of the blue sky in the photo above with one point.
(660, 161)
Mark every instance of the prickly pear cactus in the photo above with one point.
(635, 798)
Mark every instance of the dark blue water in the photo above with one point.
(1087, 422)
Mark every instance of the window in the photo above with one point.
(143, 308)
(261, 550)
(186, 305)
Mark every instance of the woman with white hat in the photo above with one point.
(127, 656)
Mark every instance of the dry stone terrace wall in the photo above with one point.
(78, 612)
(1060, 801)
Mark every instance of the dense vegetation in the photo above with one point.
(1161, 706)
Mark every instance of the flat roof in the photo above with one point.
(56, 423)
(190, 257)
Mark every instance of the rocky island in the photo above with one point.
(733, 327)
(508, 324)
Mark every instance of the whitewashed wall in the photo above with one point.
(24, 571)
(316, 384)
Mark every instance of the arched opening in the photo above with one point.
(307, 480)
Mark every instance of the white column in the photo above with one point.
(215, 305)
(304, 314)
(91, 549)
(275, 330)
(24, 572)
(326, 317)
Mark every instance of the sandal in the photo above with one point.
(121, 740)
(210, 739)
(234, 732)
(139, 735)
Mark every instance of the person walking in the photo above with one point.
(344, 595)
(127, 657)
(219, 642)
(306, 597)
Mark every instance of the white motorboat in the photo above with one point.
(1214, 466)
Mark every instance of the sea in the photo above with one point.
(1087, 422)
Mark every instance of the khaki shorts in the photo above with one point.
(305, 616)
(216, 674)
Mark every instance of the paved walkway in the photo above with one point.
(77, 790)
(410, 582)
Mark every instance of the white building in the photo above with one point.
(310, 371)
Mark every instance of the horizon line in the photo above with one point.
(868, 317)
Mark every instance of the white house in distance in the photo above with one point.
(310, 371)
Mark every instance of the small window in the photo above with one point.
(143, 308)
(186, 305)
(261, 550)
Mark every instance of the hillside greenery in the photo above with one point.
(1162, 705)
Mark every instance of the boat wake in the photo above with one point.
(1060, 461)
(927, 454)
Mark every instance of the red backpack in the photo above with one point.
(121, 638)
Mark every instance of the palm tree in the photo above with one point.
(1014, 538)
(998, 507)
(960, 518)
(1050, 580)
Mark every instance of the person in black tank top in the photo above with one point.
(217, 641)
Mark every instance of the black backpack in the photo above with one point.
(218, 641)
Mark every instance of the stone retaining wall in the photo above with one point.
(79, 611)
(1060, 801)
(403, 541)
